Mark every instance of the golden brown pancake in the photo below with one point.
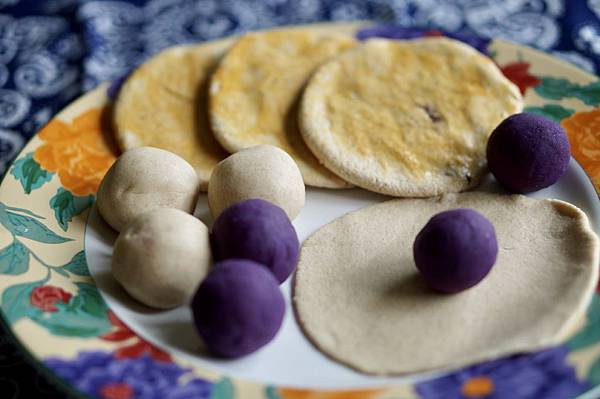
(406, 118)
(164, 104)
(255, 92)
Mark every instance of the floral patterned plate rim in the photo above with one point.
(54, 309)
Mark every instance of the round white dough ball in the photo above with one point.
(161, 257)
(264, 172)
(143, 179)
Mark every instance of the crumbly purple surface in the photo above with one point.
(528, 152)
(455, 250)
(238, 308)
(260, 231)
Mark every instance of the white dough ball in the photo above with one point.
(161, 257)
(143, 179)
(264, 172)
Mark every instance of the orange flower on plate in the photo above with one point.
(583, 130)
(307, 394)
(77, 151)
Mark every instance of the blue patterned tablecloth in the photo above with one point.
(53, 50)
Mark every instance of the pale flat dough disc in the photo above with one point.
(406, 118)
(164, 104)
(254, 93)
(359, 298)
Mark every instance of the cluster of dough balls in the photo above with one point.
(148, 196)
(239, 308)
(163, 255)
(253, 194)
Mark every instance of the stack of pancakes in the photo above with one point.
(403, 118)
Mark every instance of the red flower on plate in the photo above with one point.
(518, 73)
(136, 349)
(117, 390)
(46, 297)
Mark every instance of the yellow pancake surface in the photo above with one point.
(254, 94)
(406, 118)
(164, 104)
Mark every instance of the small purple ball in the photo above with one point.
(528, 152)
(238, 308)
(260, 231)
(455, 250)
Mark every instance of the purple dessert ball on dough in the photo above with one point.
(528, 152)
(260, 231)
(455, 250)
(238, 308)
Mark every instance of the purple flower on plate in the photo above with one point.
(540, 375)
(399, 32)
(101, 375)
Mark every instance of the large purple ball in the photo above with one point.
(455, 250)
(260, 231)
(238, 308)
(528, 152)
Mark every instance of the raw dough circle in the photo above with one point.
(255, 91)
(161, 257)
(359, 297)
(143, 179)
(406, 118)
(264, 172)
(164, 104)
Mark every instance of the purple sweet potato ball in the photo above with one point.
(260, 231)
(455, 250)
(238, 308)
(528, 152)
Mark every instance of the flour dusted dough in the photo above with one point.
(143, 179)
(256, 89)
(164, 104)
(263, 171)
(161, 257)
(359, 297)
(406, 118)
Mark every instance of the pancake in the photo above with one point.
(406, 118)
(254, 93)
(359, 298)
(164, 104)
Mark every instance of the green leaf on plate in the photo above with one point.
(68, 322)
(552, 111)
(21, 210)
(91, 300)
(86, 315)
(14, 259)
(557, 89)
(28, 227)
(16, 303)
(223, 390)
(590, 334)
(29, 173)
(66, 206)
(78, 265)
(271, 392)
(593, 376)
(60, 271)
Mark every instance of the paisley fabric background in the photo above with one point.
(52, 50)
